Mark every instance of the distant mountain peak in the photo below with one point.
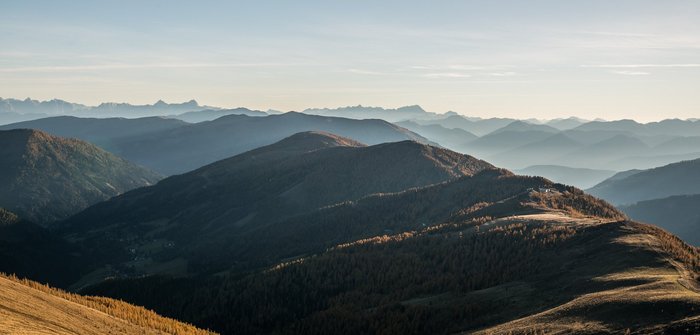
(314, 140)
(412, 108)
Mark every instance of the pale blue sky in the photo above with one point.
(609, 58)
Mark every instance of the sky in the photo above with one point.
(610, 59)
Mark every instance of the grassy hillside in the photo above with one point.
(27, 307)
(47, 178)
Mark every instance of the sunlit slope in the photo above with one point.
(30, 308)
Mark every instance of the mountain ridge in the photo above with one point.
(39, 173)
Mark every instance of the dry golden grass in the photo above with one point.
(653, 298)
(28, 307)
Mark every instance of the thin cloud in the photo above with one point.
(132, 66)
(447, 75)
(643, 65)
(631, 73)
(503, 74)
(365, 72)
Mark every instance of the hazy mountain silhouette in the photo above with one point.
(549, 149)
(524, 126)
(186, 148)
(678, 145)
(106, 109)
(566, 124)
(364, 112)
(682, 178)
(671, 126)
(212, 114)
(104, 132)
(46, 178)
(600, 155)
(579, 177)
(455, 139)
(171, 146)
(160, 108)
(50, 107)
(495, 143)
(475, 126)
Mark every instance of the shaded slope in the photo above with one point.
(28, 250)
(47, 178)
(27, 307)
(225, 203)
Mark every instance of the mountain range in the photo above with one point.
(171, 146)
(515, 144)
(287, 223)
(220, 208)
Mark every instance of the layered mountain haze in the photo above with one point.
(14, 110)
(455, 139)
(106, 133)
(362, 112)
(476, 126)
(171, 146)
(213, 114)
(186, 148)
(47, 178)
(580, 177)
